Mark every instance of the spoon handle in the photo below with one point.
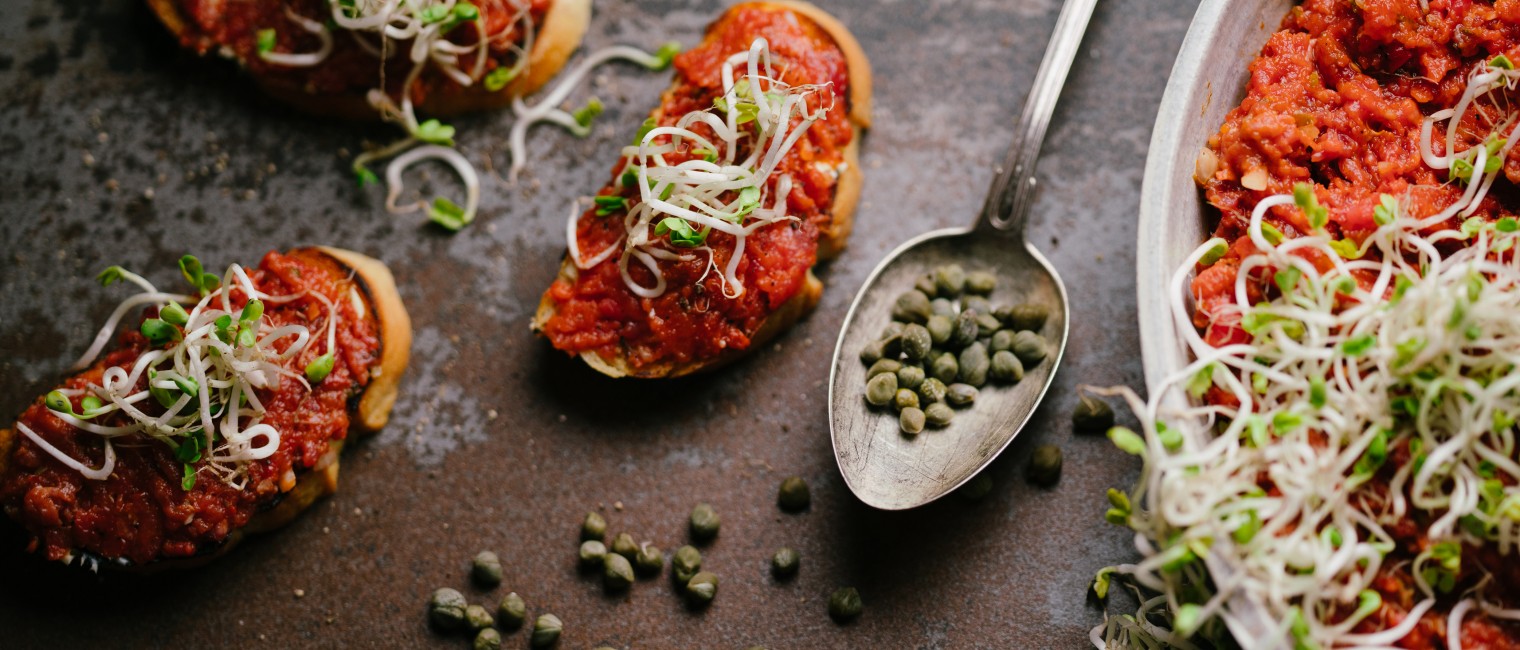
(1012, 191)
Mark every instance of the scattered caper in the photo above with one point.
(965, 330)
(844, 605)
(981, 282)
(986, 324)
(911, 307)
(950, 280)
(784, 562)
(486, 569)
(925, 284)
(911, 420)
(892, 329)
(623, 545)
(592, 553)
(794, 495)
(940, 326)
(938, 414)
(617, 572)
(594, 527)
(941, 307)
(905, 399)
(685, 563)
(932, 390)
(974, 365)
(945, 368)
(1001, 340)
(977, 304)
(976, 489)
(487, 639)
(701, 589)
(704, 520)
(1005, 367)
(477, 618)
(883, 366)
(1092, 415)
(1029, 347)
(1028, 316)
(546, 629)
(649, 560)
(511, 612)
(910, 377)
(1045, 465)
(880, 389)
(446, 609)
(915, 342)
(961, 394)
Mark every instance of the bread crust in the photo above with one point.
(831, 239)
(372, 412)
(558, 35)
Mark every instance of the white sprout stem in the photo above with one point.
(303, 60)
(432, 152)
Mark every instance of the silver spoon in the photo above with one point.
(892, 471)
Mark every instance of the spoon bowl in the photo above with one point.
(892, 471)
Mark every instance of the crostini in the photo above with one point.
(702, 246)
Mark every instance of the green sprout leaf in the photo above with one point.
(608, 204)
(1507, 224)
(447, 214)
(110, 276)
(364, 176)
(433, 14)
(1271, 233)
(196, 275)
(188, 481)
(499, 78)
(1127, 440)
(1347, 249)
(463, 12)
(1386, 210)
(1357, 346)
(1501, 62)
(174, 314)
(319, 368)
(1317, 391)
(1217, 248)
(644, 129)
(1304, 198)
(1287, 279)
(266, 41)
(1247, 531)
(223, 328)
(680, 231)
(158, 331)
(1101, 582)
(435, 132)
(587, 113)
(666, 54)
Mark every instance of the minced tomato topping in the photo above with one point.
(141, 512)
(693, 320)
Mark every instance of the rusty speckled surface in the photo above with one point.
(97, 106)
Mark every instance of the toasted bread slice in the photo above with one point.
(557, 36)
(371, 410)
(831, 239)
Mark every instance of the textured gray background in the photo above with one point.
(233, 176)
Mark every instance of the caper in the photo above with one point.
(704, 520)
(945, 368)
(1029, 347)
(880, 389)
(976, 489)
(592, 553)
(961, 394)
(941, 307)
(872, 352)
(911, 307)
(784, 562)
(1045, 465)
(649, 560)
(1005, 367)
(794, 495)
(974, 365)
(925, 284)
(986, 324)
(916, 342)
(685, 563)
(911, 420)
(844, 605)
(546, 631)
(977, 304)
(701, 589)
(487, 639)
(1001, 340)
(981, 282)
(950, 280)
(932, 390)
(1092, 415)
(938, 414)
(617, 572)
(883, 366)
(477, 618)
(446, 609)
(486, 569)
(910, 377)
(623, 545)
(940, 326)
(892, 329)
(594, 527)
(966, 330)
(1028, 316)
(905, 399)
(511, 612)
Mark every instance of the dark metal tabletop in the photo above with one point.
(119, 148)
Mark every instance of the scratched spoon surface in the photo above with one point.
(892, 471)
